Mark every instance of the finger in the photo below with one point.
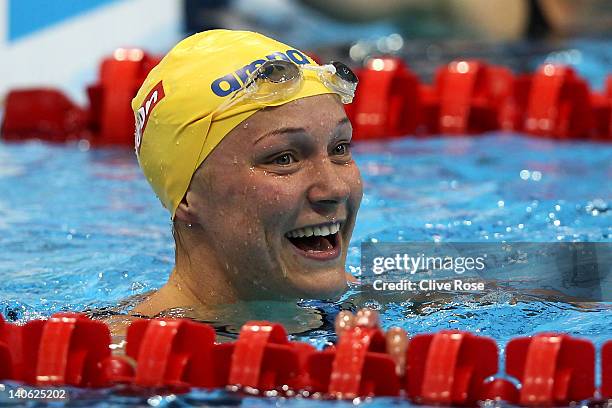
(367, 318)
(344, 321)
(397, 345)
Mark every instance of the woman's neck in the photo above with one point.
(198, 281)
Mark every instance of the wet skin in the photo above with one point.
(284, 168)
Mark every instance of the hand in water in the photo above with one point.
(396, 337)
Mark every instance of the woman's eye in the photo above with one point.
(284, 159)
(342, 149)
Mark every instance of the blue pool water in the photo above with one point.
(80, 229)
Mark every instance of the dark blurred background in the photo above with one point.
(60, 43)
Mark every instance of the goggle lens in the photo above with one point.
(278, 71)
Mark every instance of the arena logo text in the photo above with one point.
(231, 82)
(142, 115)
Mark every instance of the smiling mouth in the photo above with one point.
(319, 242)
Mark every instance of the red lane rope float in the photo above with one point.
(558, 104)
(357, 366)
(445, 368)
(387, 100)
(46, 114)
(449, 367)
(466, 94)
(606, 370)
(262, 358)
(248, 352)
(6, 364)
(71, 347)
(23, 344)
(467, 97)
(64, 350)
(166, 352)
(554, 369)
(511, 110)
(112, 119)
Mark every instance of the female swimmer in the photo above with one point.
(245, 141)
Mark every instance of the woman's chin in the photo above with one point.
(319, 284)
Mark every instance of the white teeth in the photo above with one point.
(319, 230)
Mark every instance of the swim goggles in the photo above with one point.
(276, 80)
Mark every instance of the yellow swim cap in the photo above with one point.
(175, 128)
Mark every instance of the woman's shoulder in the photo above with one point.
(120, 315)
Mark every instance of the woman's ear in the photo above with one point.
(184, 212)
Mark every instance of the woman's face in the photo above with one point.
(277, 200)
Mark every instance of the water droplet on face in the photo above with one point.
(246, 125)
(235, 160)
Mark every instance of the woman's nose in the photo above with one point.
(328, 189)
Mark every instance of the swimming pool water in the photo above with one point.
(81, 229)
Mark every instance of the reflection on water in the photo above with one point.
(93, 234)
(313, 320)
